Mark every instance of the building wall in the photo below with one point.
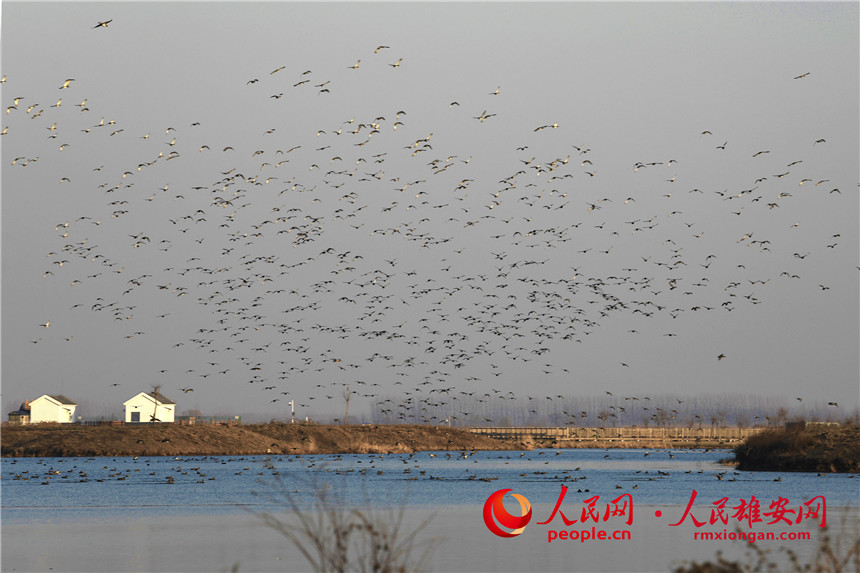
(19, 418)
(45, 410)
(167, 413)
(146, 407)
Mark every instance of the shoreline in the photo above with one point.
(70, 440)
(834, 450)
(278, 438)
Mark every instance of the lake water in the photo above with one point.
(202, 513)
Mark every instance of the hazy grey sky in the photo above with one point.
(271, 201)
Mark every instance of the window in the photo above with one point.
(135, 416)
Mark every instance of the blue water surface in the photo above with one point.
(105, 488)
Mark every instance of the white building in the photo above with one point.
(149, 407)
(52, 408)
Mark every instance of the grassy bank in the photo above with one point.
(803, 449)
(68, 440)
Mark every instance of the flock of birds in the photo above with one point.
(200, 470)
(367, 258)
(275, 472)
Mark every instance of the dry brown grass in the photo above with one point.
(821, 449)
(71, 440)
(373, 438)
(840, 555)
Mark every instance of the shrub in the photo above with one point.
(336, 538)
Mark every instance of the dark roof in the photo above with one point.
(160, 398)
(62, 399)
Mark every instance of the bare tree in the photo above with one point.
(347, 394)
(602, 416)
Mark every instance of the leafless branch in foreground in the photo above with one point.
(335, 537)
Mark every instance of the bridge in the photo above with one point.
(628, 436)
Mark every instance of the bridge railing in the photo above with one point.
(724, 434)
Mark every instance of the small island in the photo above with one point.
(803, 447)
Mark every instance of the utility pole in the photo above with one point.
(155, 390)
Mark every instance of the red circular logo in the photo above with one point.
(495, 514)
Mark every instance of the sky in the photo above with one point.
(252, 203)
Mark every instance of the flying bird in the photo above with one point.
(103, 24)
(484, 116)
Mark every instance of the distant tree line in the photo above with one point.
(459, 408)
